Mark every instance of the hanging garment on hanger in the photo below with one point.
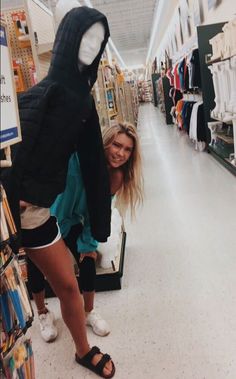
(170, 76)
(197, 125)
(186, 114)
(181, 70)
(196, 75)
(179, 119)
(176, 77)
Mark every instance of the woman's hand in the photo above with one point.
(92, 254)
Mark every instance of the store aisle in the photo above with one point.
(175, 317)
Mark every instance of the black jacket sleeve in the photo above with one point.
(96, 178)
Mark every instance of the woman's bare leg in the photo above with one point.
(88, 301)
(39, 299)
(55, 263)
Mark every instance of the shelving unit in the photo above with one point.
(223, 148)
(109, 88)
(16, 355)
(131, 100)
(21, 54)
(120, 95)
(16, 311)
(225, 138)
(34, 55)
(104, 94)
(116, 98)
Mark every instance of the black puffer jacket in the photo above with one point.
(58, 117)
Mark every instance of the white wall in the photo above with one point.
(167, 9)
(224, 12)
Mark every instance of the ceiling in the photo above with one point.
(130, 23)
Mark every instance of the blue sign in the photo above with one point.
(3, 38)
(10, 124)
(8, 134)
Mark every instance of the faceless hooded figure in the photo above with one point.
(58, 117)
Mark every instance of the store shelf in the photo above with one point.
(223, 148)
(224, 161)
(112, 114)
(16, 310)
(217, 60)
(109, 87)
(226, 139)
(104, 63)
(227, 120)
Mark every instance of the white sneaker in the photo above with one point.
(47, 327)
(99, 326)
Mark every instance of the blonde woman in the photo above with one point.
(122, 152)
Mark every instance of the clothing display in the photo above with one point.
(223, 44)
(185, 78)
(196, 132)
(186, 114)
(195, 75)
(187, 72)
(175, 94)
(223, 75)
(176, 77)
(223, 71)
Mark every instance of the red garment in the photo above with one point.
(176, 77)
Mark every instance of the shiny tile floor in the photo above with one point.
(175, 316)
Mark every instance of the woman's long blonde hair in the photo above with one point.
(131, 192)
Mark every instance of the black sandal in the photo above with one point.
(86, 361)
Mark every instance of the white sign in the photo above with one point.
(10, 124)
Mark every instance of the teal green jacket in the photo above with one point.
(70, 208)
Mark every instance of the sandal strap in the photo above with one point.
(86, 361)
(101, 364)
(89, 356)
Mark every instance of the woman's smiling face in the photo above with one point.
(119, 151)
